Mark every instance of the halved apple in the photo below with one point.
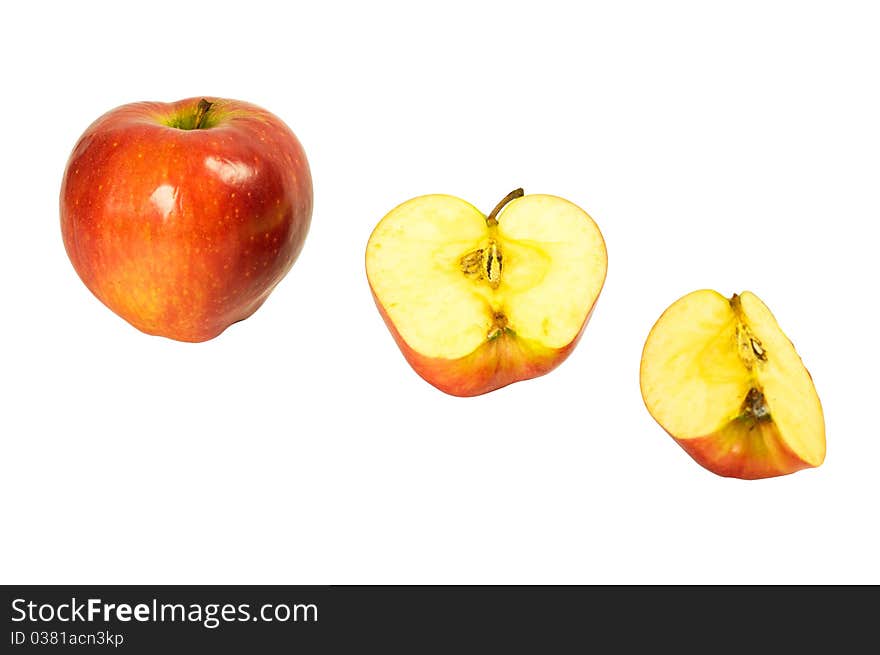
(475, 302)
(724, 381)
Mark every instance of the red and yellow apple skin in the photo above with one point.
(499, 362)
(183, 217)
(744, 449)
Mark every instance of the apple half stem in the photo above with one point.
(513, 195)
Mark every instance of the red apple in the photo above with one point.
(182, 217)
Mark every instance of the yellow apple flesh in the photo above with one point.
(724, 381)
(475, 302)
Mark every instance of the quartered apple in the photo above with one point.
(720, 376)
(478, 302)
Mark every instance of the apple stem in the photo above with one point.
(201, 111)
(513, 195)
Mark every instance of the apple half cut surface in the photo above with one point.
(720, 376)
(476, 303)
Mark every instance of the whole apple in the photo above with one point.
(183, 217)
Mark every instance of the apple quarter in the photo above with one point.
(720, 376)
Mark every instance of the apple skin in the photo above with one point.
(736, 451)
(183, 232)
(495, 364)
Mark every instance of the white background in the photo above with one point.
(723, 145)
